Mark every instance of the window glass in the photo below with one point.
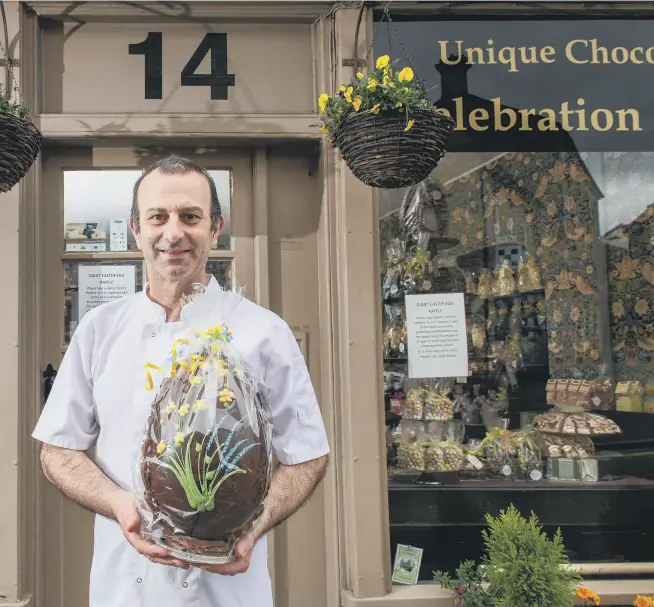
(518, 290)
(97, 207)
(90, 283)
(552, 253)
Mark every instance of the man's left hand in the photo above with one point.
(241, 562)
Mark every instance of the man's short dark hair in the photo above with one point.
(176, 165)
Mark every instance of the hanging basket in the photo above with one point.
(381, 153)
(20, 144)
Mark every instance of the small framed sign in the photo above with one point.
(407, 564)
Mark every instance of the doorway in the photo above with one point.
(84, 214)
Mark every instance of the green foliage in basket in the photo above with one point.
(7, 106)
(382, 89)
(521, 566)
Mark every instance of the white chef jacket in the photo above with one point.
(98, 399)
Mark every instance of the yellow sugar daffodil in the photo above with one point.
(382, 62)
(179, 438)
(322, 102)
(199, 405)
(161, 447)
(405, 75)
(170, 408)
(409, 124)
(184, 409)
(356, 104)
(226, 395)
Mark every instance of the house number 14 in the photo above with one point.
(218, 78)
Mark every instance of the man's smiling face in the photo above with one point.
(175, 232)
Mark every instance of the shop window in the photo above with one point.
(97, 207)
(100, 258)
(551, 255)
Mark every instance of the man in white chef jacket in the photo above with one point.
(95, 400)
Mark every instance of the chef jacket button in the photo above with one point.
(138, 580)
(185, 584)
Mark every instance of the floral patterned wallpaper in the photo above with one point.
(631, 274)
(548, 204)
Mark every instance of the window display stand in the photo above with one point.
(443, 511)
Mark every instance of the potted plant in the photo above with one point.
(388, 131)
(20, 141)
(521, 565)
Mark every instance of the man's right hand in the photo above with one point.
(125, 513)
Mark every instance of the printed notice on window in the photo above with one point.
(436, 331)
(101, 284)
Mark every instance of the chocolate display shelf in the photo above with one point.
(600, 521)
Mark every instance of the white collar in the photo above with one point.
(154, 311)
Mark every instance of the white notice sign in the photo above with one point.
(100, 284)
(436, 331)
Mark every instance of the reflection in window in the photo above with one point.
(221, 270)
(553, 255)
(88, 284)
(97, 207)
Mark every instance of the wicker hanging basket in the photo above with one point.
(20, 144)
(381, 153)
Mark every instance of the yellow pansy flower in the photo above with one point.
(179, 438)
(348, 94)
(399, 105)
(360, 76)
(184, 409)
(375, 109)
(382, 61)
(373, 84)
(322, 102)
(356, 104)
(409, 124)
(405, 75)
(161, 447)
(341, 88)
(323, 129)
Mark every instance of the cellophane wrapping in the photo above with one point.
(205, 461)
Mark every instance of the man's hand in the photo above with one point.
(240, 564)
(125, 512)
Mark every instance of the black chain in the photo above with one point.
(386, 17)
(10, 77)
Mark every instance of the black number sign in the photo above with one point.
(152, 49)
(218, 78)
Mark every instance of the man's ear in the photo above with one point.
(135, 232)
(218, 228)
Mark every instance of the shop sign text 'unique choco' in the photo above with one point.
(536, 84)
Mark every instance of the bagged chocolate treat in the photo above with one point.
(499, 453)
(418, 269)
(443, 456)
(528, 455)
(205, 463)
(395, 334)
(414, 403)
(437, 404)
(409, 440)
(394, 264)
